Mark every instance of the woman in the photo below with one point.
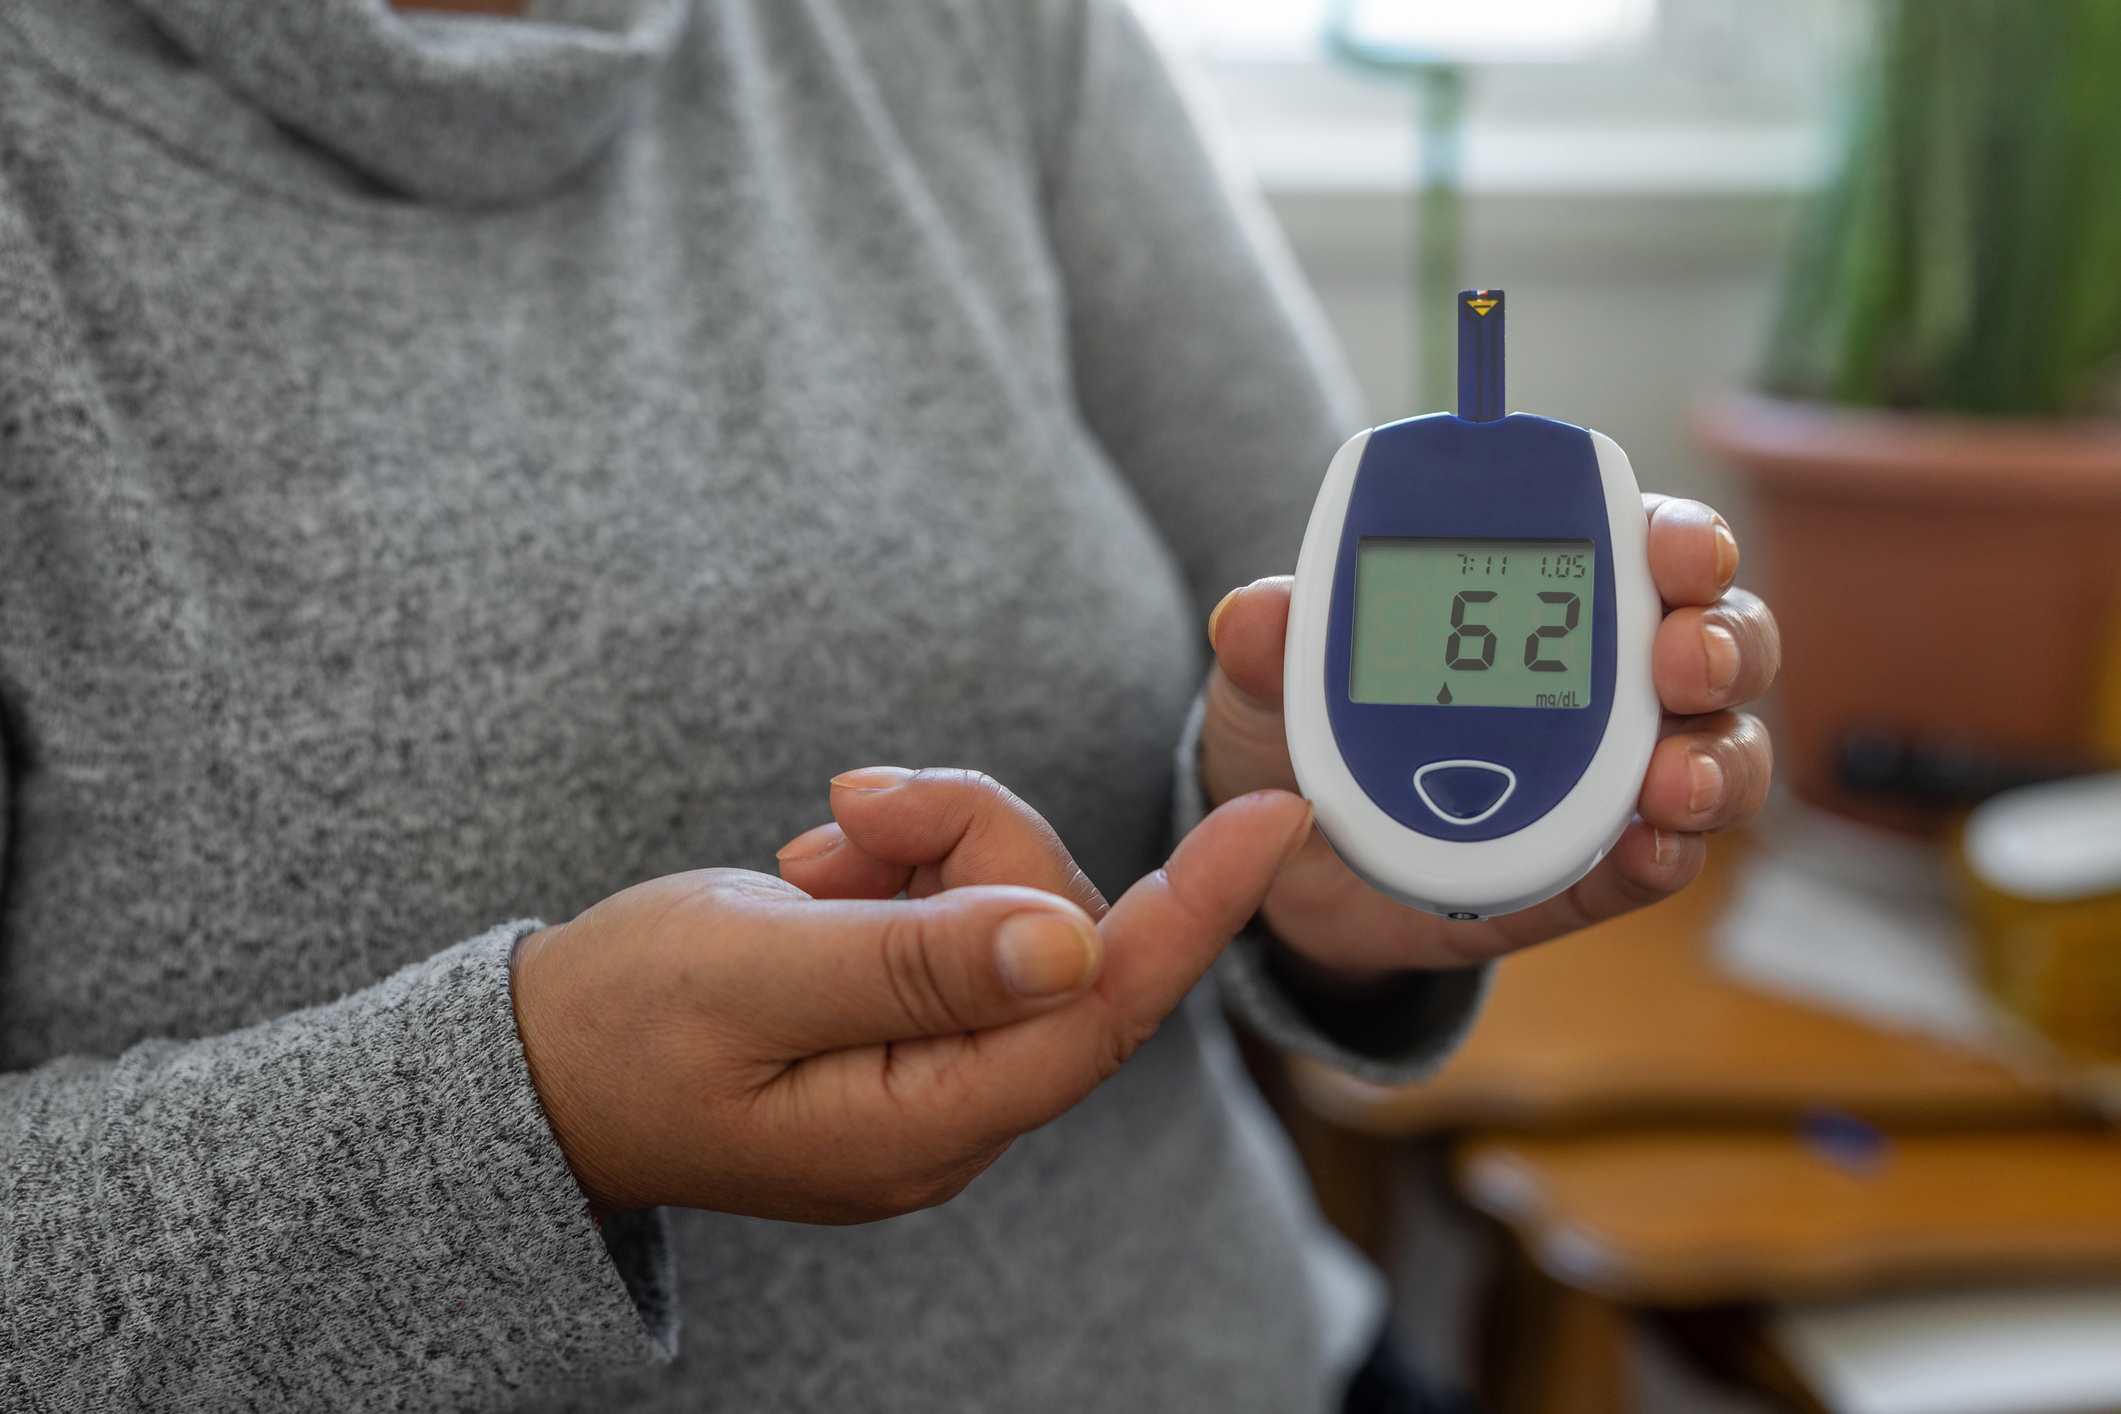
(459, 468)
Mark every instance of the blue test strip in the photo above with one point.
(1480, 355)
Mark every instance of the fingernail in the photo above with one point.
(873, 778)
(1045, 954)
(1297, 840)
(1667, 846)
(1705, 781)
(1726, 555)
(811, 844)
(1215, 615)
(1722, 651)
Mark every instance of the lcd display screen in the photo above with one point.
(1473, 623)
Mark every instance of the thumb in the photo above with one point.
(824, 975)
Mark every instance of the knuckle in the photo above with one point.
(988, 807)
(1756, 751)
(1676, 511)
(979, 789)
(853, 1209)
(1741, 746)
(990, 801)
(912, 961)
(1083, 891)
(1573, 910)
(1191, 914)
(1637, 892)
(1738, 739)
(1770, 641)
(931, 1188)
(1750, 619)
(941, 1188)
(1120, 1044)
(1742, 602)
(906, 1195)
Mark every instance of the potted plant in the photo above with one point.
(1935, 456)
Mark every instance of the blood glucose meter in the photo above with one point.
(1467, 684)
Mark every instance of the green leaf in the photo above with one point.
(1967, 255)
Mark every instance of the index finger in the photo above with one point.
(935, 829)
(1693, 555)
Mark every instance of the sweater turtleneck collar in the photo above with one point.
(455, 109)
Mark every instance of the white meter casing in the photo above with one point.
(1467, 690)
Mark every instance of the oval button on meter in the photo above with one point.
(1464, 792)
(1467, 686)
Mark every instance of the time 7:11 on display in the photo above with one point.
(1476, 623)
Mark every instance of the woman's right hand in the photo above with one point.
(723, 1039)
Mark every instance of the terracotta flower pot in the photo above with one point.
(1952, 579)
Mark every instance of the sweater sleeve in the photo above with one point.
(357, 1205)
(1207, 372)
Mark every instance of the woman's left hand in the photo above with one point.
(1717, 648)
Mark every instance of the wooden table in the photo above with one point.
(1631, 1022)
(1673, 1222)
(1630, 1117)
(1691, 1217)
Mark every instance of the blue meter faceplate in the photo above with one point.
(1518, 478)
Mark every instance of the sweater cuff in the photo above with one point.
(1400, 1033)
(378, 1173)
(1397, 1034)
(595, 1270)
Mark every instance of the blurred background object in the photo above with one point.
(1640, 194)
(1832, 1130)
(2044, 865)
(2014, 1350)
(1426, 44)
(1945, 581)
(1962, 261)
(1939, 446)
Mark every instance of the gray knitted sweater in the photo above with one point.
(452, 469)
